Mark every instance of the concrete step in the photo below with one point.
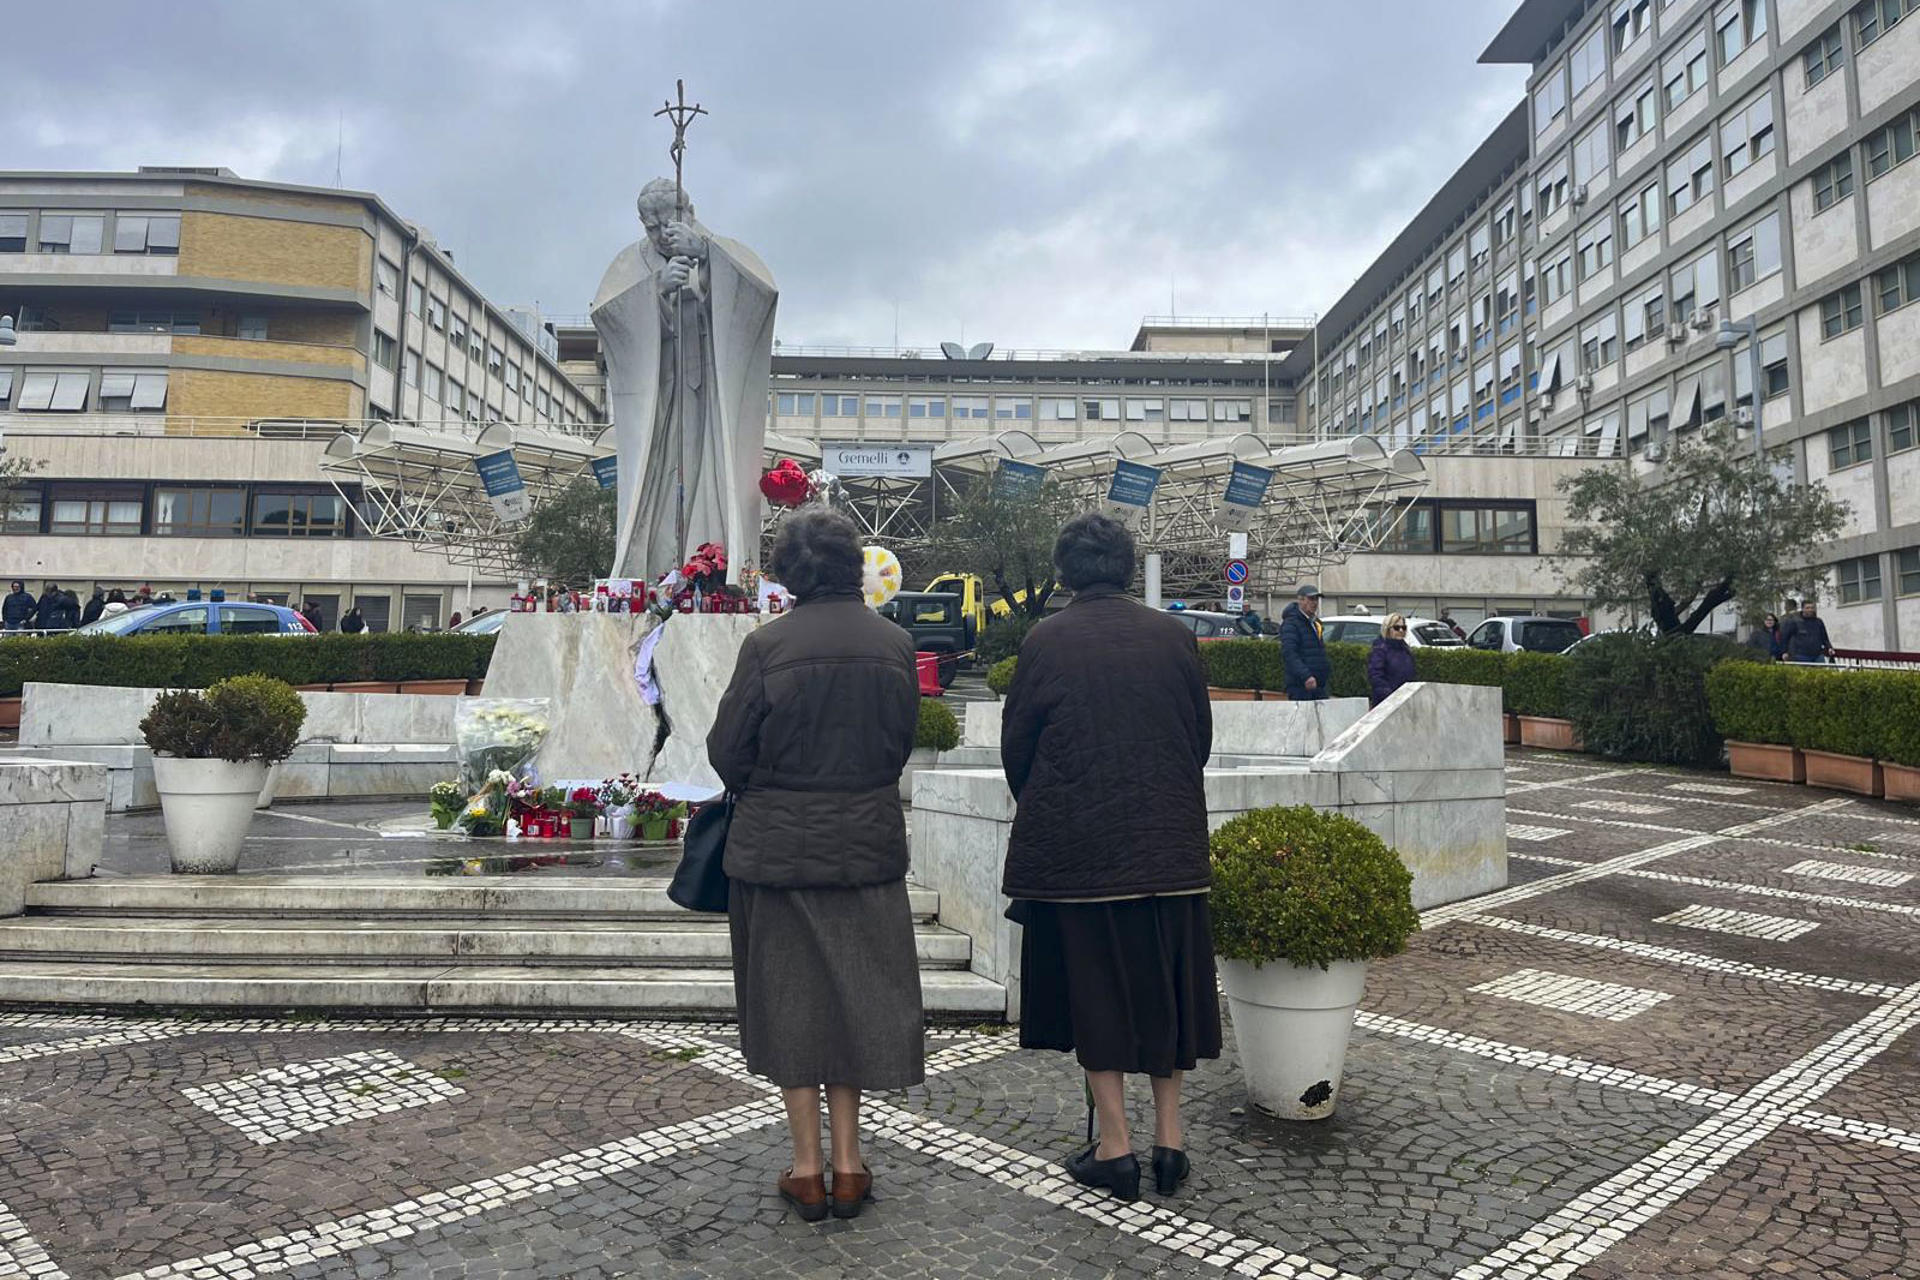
(571, 898)
(948, 994)
(689, 940)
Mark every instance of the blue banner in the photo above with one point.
(1133, 484)
(500, 476)
(607, 471)
(1017, 479)
(1246, 490)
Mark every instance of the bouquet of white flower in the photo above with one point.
(497, 734)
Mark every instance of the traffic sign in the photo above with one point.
(1236, 571)
(1236, 599)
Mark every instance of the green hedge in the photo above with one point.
(1461, 666)
(1748, 701)
(1000, 674)
(1534, 684)
(1837, 711)
(938, 729)
(194, 662)
(1634, 697)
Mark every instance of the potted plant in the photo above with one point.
(211, 752)
(1898, 724)
(583, 806)
(937, 731)
(1832, 715)
(617, 797)
(657, 816)
(1748, 703)
(444, 802)
(1534, 690)
(1302, 901)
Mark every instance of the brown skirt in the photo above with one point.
(1126, 985)
(827, 982)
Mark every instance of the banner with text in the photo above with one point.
(901, 461)
(1131, 492)
(1017, 479)
(607, 471)
(1246, 490)
(500, 474)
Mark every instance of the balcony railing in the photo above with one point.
(229, 428)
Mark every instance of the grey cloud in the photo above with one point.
(1039, 174)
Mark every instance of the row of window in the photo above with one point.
(1852, 443)
(162, 320)
(1844, 310)
(1448, 527)
(179, 511)
(129, 233)
(1860, 579)
(803, 404)
(75, 390)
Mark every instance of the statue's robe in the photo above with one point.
(714, 447)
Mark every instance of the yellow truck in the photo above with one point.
(978, 602)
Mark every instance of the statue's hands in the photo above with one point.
(679, 273)
(685, 242)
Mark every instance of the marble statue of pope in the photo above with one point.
(685, 320)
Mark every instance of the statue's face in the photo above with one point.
(657, 211)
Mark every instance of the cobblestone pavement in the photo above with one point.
(1685, 1041)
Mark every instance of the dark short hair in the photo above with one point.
(816, 551)
(1093, 550)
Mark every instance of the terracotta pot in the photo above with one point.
(1215, 694)
(311, 688)
(1857, 774)
(473, 688)
(366, 686)
(1766, 760)
(1549, 734)
(1510, 729)
(1902, 781)
(433, 686)
(9, 713)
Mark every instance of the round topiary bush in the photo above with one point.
(1000, 675)
(938, 729)
(1635, 696)
(240, 718)
(1307, 888)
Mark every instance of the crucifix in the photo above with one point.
(681, 115)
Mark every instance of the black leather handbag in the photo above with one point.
(700, 881)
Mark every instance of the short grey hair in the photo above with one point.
(817, 551)
(660, 191)
(1093, 550)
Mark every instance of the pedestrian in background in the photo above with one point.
(453, 623)
(1805, 637)
(1308, 669)
(1765, 638)
(1390, 664)
(1106, 730)
(352, 622)
(1446, 617)
(50, 612)
(810, 738)
(18, 610)
(95, 603)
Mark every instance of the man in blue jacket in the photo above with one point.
(1309, 672)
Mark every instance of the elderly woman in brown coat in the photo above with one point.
(810, 738)
(1105, 733)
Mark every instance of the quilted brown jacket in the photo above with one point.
(811, 736)
(1104, 736)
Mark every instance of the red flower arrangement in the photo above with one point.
(583, 802)
(786, 485)
(708, 567)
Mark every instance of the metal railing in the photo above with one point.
(1227, 322)
(1876, 659)
(231, 428)
(933, 352)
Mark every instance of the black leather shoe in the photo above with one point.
(1120, 1175)
(1170, 1169)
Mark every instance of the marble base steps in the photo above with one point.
(283, 941)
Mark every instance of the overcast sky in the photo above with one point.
(1038, 174)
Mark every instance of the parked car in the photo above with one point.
(937, 622)
(202, 618)
(1361, 628)
(1526, 633)
(1207, 625)
(486, 624)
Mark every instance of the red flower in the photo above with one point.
(786, 485)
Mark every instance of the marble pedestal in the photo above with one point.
(692, 664)
(582, 663)
(54, 815)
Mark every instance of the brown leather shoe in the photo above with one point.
(850, 1191)
(808, 1196)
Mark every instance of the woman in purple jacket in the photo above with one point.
(1390, 665)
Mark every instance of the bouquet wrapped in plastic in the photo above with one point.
(497, 734)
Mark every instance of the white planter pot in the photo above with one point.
(620, 825)
(270, 789)
(1291, 1025)
(922, 758)
(208, 806)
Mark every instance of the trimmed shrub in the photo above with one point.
(1533, 684)
(198, 661)
(1000, 675)
(1633, 696)
(1236, 664)
(1349, 670)
(1834, 710)
(1748, 702)
(938, 729)
(239, 718)
(1307, 888)
(1485, 667)
(1002, 638)
(1897, 717)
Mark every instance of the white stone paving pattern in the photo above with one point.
(1745, 924)
(1520, 831)
(1854, 875)
(1586, 996)
(307, 1097)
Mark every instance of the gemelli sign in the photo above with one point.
(906, 461)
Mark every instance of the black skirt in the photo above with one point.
(1126, 985)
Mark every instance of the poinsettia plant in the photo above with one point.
(707, 568)
(583, 802)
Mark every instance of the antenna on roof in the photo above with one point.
(339, 146)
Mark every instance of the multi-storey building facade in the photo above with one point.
(186, 341)
(1678, 163)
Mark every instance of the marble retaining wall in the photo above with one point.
(1425, 770)
(1244, 733)
(53, 815)
(583, 663)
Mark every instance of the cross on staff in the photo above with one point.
(682, 115)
